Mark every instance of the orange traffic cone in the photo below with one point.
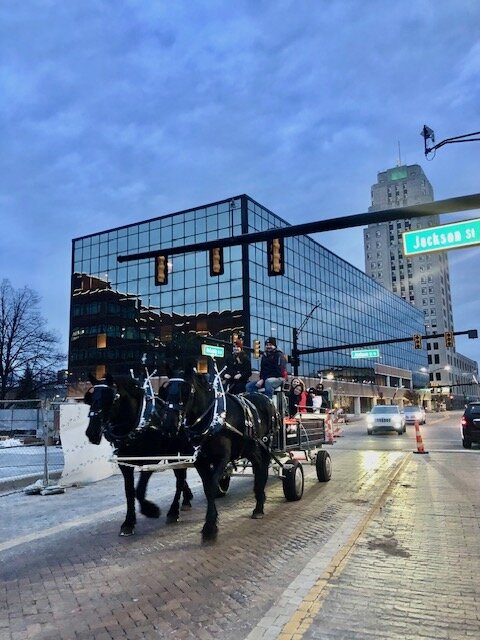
(329, 429)
(337, 431)
(420, 447)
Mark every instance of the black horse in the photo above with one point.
(224, 429)
(118, 410)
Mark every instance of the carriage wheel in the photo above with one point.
(223, 485)
(323, 465)
(293, 481)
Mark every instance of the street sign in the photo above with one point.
(364, 353)
(211, 350)
(456, 235)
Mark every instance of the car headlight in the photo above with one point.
(396, 419)
(370, 419)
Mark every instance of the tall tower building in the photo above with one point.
(423, 280)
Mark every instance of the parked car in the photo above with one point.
(386, 418)
(471, 424)
(412, 414)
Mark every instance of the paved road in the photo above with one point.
(440, 433)
(387, 549)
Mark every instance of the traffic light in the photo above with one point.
(448, 338)
(161, 270)
(256, 348)
(417, 341)
(276, 266)
(216, 261)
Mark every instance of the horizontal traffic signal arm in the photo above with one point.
(472, 333)
(451, 205)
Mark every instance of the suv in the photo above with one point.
(386, 418)
(412, 414)
(471, 424)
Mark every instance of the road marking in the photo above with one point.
(293, 614)
(37, 535)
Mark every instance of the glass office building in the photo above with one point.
(119, 313)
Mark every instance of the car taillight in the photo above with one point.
(464, 422)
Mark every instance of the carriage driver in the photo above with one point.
(273, 369)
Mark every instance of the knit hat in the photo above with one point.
(271, 341)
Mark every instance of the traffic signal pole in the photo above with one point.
(471, 333)
(295, 358)
(438, 207)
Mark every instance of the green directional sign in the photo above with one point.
(211, 350)
(456, 235)
(364, 353)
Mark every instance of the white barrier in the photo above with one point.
(83, 462)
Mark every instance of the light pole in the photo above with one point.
(438, 395)
(295, 334)
(330, 377)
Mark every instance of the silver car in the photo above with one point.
(412, 414)
(386, 418)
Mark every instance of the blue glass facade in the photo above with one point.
(118, 312)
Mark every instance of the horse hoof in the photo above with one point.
(127, 531)
(256, 515)
(150, 510)
(172, 519)
(209, 535)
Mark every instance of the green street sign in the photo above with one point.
(211, 350)
(364, 353)
(456, 235)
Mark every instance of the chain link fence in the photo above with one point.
(29, 440)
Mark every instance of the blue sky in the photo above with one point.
(119, 111)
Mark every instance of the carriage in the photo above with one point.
(220, 434)
(299, 439)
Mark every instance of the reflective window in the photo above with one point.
(330, 300)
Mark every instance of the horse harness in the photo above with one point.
(216, 416)
(146, 412)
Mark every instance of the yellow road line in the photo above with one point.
(303, 617)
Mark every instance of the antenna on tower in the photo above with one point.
(399, 155)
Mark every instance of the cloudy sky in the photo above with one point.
(116, 111)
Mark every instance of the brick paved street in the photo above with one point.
(409, 544)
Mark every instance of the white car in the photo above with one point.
(386, 418)
(412, 414)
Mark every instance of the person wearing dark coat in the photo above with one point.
(273, 369)
(238, 369)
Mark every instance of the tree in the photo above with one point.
(412, 396)
(25, 342)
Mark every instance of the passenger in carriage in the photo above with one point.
(273, 370)
(238, 369)
(297, 397)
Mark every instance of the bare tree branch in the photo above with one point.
(25, 342)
